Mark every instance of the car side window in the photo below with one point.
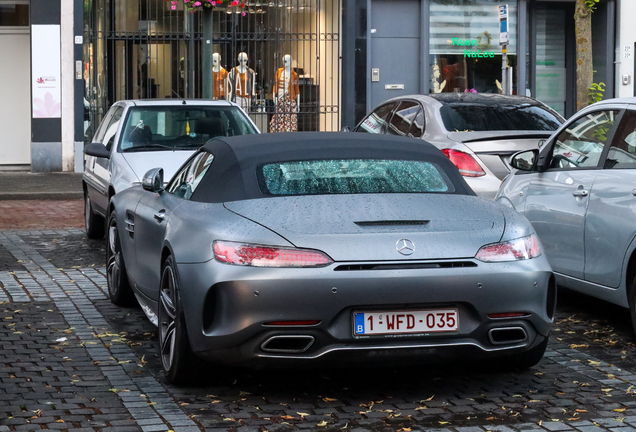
(400, 123)
(581, 144)
(418, 125)
(622, 153)
(188, 178)
(376, 121)
(101, 130)
(111, 130)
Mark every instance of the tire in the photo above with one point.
(180, 364)
(94, 223)
(631, 298)
(119, 288)
(526, 359)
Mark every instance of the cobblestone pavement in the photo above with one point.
(70, 360)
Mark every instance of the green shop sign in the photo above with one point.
(471, 53)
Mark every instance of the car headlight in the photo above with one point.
(514, 250)
(268, 256)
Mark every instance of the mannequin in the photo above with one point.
(437, 87)
(286, 98)
(243, 83)
(220, 83)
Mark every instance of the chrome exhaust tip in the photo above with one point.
(290, 344)
(507, 335)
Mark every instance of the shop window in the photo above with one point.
(464, 45)
(279, 61)
(14, 14)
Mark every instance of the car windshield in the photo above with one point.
(180, 127)
(352, 176)
(474, 117)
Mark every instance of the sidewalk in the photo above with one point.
(41, 200)
(21, 185)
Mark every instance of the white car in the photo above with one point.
(137, 135)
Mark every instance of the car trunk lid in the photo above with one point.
(495, 148)
(368, 227)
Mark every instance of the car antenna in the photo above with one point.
(179, 97)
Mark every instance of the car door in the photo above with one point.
(94, 186)
(610, 224)
(100, 167)
(376, 121)
(557, 199)
(152, 219)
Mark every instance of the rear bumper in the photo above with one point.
(486, 186)
(227, 308)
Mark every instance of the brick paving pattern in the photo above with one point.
(70, 360)
(41, 214)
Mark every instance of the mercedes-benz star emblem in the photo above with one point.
(405, 246)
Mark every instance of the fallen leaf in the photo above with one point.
(302, 414)
(322, 423)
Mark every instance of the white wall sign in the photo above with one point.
(45, 71)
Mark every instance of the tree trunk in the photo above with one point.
(584, 69)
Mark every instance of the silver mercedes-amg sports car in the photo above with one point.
(298, 248)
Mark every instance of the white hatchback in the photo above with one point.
(137, 135)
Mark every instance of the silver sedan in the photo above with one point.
(137, 135)
(477, 132)
(578, 192)
(303, 248)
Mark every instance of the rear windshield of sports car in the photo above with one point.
(180, 127)
(472, 117)
(352, 176)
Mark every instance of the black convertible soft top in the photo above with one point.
(232, 175)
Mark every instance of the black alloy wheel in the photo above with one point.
(118, 286)
(93, 222)
(526, 359)
(179, 362)
(631, 298)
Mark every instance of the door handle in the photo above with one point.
(160, 215)
(579, 193)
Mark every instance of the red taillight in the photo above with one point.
(467, 165)
(268, 256)
(508, 315)
(514, 250)
(292, 323)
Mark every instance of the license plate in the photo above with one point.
(404, 322)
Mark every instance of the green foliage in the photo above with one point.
(595, 92)
(591, 4)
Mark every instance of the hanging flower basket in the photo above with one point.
(194, 5)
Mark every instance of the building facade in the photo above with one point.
(65, 62)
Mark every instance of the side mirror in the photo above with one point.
(153, 180)
(345, 129)
(97, 150)
(525, 160)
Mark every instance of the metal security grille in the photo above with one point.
(145, 49)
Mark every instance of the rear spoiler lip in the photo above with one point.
(497, 135)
